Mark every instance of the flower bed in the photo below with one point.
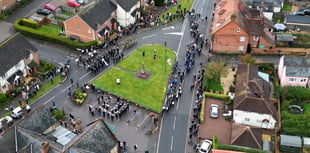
(79, 96)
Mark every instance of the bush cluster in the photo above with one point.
(3, 98)
(42, 35)
(29, 23)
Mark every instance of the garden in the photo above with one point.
(155, 62)
(295, 110)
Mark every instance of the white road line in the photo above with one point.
(182, 31)
(178, 103)
(149, 36)
(201, 10)
(139, 125)
(174, 33)
(63, 90)
(171, 146)
(175, 118)
(49, 100)
(84, 76)
(167, 28)
(161, 125)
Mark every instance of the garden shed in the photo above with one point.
(306, 141)
(289, 143)
(284, 40)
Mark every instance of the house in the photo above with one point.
(247, 136)
(289, 143)
(294, 71)
(93, 23)
(16, 53)
(284, 40)
(268, 7)
(127, 11)
(5, 5)
(252, 104)
(39, 133)
(297, 22)
(236, 28)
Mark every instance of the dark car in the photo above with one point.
(74, 38)
(307, 12)
(44, 11)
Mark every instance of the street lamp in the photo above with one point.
(165, 55)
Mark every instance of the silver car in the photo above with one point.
(214, 109)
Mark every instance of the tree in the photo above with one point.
(247, 59)
(215, 70)
(58, 114)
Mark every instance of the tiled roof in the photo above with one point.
(246, 136)
(98, 13)
(251, 90)
(127, 4)
(298, 71)
(297, 19)
(296, 61)
(13, 50)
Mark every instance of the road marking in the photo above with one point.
(167, 28)
(139, 125)
(178, 104)
(175, 118)
(182, 31)
(174, 33)
(49, 100)
(63, 90)
(161, 125)
(84, 76)
(201, 10)
(171, 146)
(149, 36)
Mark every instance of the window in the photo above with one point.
(242, 38)
(247, 119)
(218, 24)
(78, 28)
(292, 79)
(89, 31)
(238, 29)
(303, 80)
(256, 38)
(240, 48)
(259, 121)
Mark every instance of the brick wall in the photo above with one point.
(76, 26)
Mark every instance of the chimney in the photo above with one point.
(44, 147)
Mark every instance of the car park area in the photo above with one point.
(215, 126)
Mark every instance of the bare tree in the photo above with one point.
(215, 70)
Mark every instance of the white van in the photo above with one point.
(18, 112)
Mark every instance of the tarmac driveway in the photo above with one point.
(215, 126)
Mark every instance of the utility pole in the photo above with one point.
(165, 55)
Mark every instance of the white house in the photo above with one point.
(128, 11)
(252, 103)
(15, 55)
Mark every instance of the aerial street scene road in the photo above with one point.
(154, 76)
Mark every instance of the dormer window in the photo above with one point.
(256, 38)
(238, 29)
(78, 28)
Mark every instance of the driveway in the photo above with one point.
(215, 126)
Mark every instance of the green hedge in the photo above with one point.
(202, 111)
(3, 98)
(239, 148)
(29, 23)
(217, 96)
(31, 32)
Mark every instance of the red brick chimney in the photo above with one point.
(44, 147)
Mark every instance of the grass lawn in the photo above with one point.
(148, 93)
(184, 4)
(215, 86)
(287, 8)
(51, 28)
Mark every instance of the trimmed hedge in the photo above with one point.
(202, 111)
(28, 31)
(217, 96)
(240, 148)
(29, 23)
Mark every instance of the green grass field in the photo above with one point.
(146, 92)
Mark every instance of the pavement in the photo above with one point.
(6, 30)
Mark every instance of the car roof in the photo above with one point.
(206, 144)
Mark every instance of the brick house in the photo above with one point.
(6, 4)
(236, 28)
(294, 71)
(93, 23)
(16, 53)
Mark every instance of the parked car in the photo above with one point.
(73, 3)
(74, 38)
(8, 119)
(44, 12)
(214, 109)
(18, 112)
(50, 7)
(205, 146)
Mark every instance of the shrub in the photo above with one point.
(79, 96)
(217, 96)
(202, 112)
(240, 148)
(59, 115)
(29, 23)
(35, 33)
(3, 98)
(215, 142)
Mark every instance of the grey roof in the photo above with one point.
(13, 50)
(127, 4)
(98, 13)
(97, 138)
(38, 121)
(298, 71)
(296, 61)
(285, 37)
(297, 19)
(267, 5)
(289, 140)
